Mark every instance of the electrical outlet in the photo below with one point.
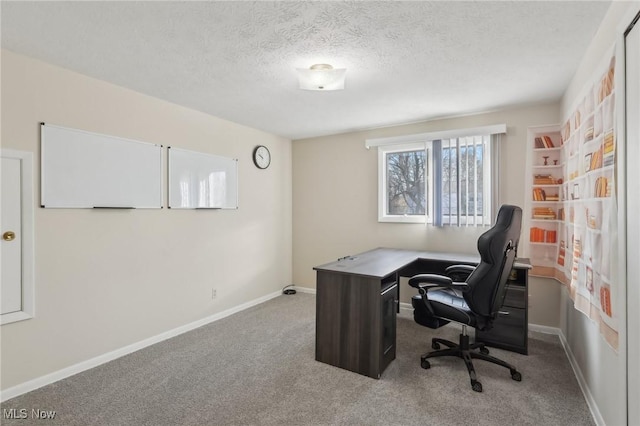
(214, 293)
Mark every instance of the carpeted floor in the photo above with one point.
(257, 367)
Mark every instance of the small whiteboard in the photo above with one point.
(202, 181)
(85, 170)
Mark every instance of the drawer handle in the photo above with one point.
(503, 312)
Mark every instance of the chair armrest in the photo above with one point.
(459, 272)
(468, 269)
(429, 281)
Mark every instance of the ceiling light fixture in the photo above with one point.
(321, 77)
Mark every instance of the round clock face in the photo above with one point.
(261, 157)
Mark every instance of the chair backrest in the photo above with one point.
(497, 248)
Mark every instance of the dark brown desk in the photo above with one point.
(357, 301)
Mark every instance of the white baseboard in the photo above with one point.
(110, 356)
(305, 289)
(406, 308)
(591, 402)
(544, 329)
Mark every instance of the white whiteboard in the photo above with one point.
(84, 170)
(202, 181)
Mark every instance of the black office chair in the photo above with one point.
(474, 302)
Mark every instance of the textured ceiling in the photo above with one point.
(406, 61)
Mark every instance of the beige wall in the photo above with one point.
(335, 192)
(107, 279)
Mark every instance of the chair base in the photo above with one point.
(466, 351)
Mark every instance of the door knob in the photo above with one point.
(9, 236)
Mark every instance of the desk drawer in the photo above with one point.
(509, 330)
(515, 296)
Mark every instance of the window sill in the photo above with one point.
(402, 219)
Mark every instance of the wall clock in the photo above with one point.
(261, 157)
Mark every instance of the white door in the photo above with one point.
(17, 300)
(11, 243)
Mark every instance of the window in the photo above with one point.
(403, 172)
(443, 181)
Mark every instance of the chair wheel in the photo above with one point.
(435, 346)
(484, 351)
(515, 375)
(476, 386)
(425, 364)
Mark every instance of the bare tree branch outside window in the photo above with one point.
(405, 183)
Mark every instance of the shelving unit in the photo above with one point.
(543, 209)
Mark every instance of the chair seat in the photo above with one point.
(445, 304)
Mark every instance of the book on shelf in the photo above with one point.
(566, 132)
(561, 253)
(609, 143)
(596, 160)
(539, 194)
(588, 134)
(602, 187)
(606, 85)
(605, 299)
(608, 148)
(536, 235)
(541, 235)
(539, 143)
(544, 180)
(608, 160)
(543, 213)
(550, 236)
(542, 142)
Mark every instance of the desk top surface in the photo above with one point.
(381, 262)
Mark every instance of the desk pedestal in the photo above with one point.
(356, 321)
